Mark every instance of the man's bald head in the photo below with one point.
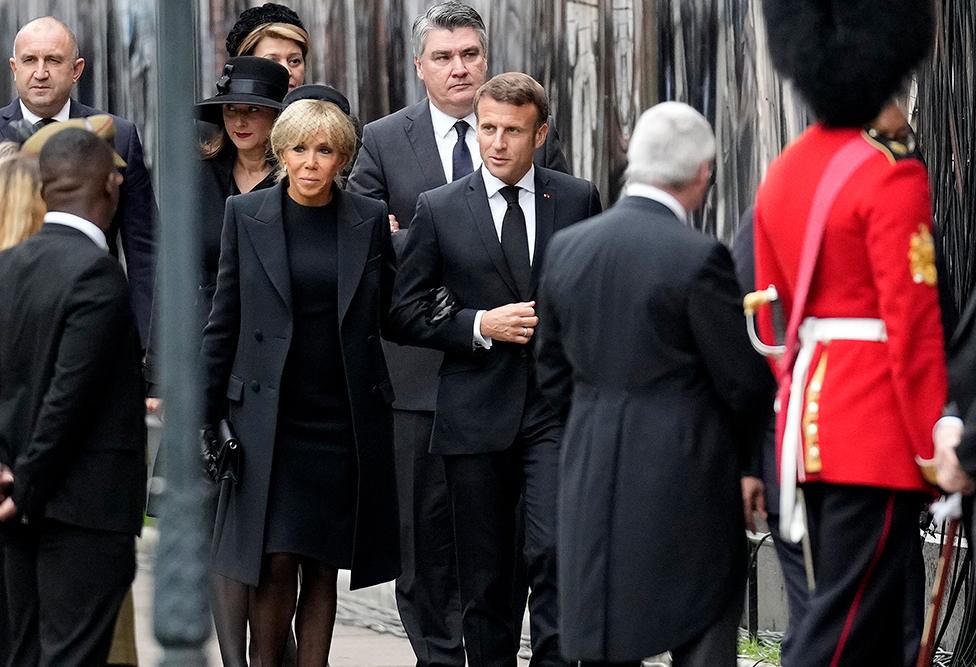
(78, 176)
(48, 25)
(45, 65)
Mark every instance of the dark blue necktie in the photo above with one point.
(515, 240)
(461, 158)
(44, 122)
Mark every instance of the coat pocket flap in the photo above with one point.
(235, 388)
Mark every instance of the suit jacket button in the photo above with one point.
(255, 386)
(523, 354)
(258, 336)
(370, 338)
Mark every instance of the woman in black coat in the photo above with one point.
(291, 355)
(235, 159)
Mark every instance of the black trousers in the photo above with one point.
(485, 490)
(427, 589)
(862, 540)
(64, 588)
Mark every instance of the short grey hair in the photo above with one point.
(448, 16)
(670, 143)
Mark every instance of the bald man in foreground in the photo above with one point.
(72, 433)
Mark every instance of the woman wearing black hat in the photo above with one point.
(292, 356)
(275, 32)
(235, 159)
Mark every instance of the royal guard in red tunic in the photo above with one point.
(843, 233)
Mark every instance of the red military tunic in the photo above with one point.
(872, 404)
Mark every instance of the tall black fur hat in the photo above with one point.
(848, 58)
(253, 17)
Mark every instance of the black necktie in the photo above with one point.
(461, 158)
(43, 123)
(515, 240)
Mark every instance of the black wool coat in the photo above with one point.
(642, 342)
(245, 345)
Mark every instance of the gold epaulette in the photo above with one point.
(895, 149)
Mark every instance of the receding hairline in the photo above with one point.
(34, 24)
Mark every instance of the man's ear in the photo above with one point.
(416, 65)
(541, 134)
(112, 182)
(13, 65)
(77, 68)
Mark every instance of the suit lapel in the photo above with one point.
(545, 225)
(477, 198)
(354, 238)
(267, 233)
(420, 133)
(8, 115)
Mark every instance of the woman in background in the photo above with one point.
(21, 205)
(275, 32)
(21, 215)
(235, 159)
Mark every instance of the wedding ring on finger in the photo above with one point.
(525, 332)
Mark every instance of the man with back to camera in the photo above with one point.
(641, 341)
(72, 429)
(46, 66)
(483, 238)
(404, 154)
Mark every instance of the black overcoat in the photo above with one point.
(641, 339)
(245, 345)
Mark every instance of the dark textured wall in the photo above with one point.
(603, 62)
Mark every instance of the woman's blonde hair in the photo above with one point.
(22, 207)
(303, 119)
(279, 30)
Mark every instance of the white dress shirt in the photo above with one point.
(33, 117)
(446, 137)
(658, 195)
(498, 206)
(88, 228)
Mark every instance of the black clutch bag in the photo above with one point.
(221, 452)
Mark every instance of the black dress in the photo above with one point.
(312, 498)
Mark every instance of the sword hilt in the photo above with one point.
(752, 302)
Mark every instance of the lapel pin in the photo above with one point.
(546, 195)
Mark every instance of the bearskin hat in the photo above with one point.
(848, 58)
(253, 17)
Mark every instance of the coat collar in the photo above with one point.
(267, 232)
(420, 133)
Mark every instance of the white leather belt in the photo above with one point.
(792, 514)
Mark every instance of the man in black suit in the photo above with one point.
(46, 66)
(72, 431)
(416, 149)
(642, 343)
(483, 238)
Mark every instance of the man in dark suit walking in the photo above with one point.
(416, 149)
(483, 238)
(46, 65)
(72, 431)
(642, 343)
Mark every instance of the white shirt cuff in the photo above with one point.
(479, 340)
(947, 421)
